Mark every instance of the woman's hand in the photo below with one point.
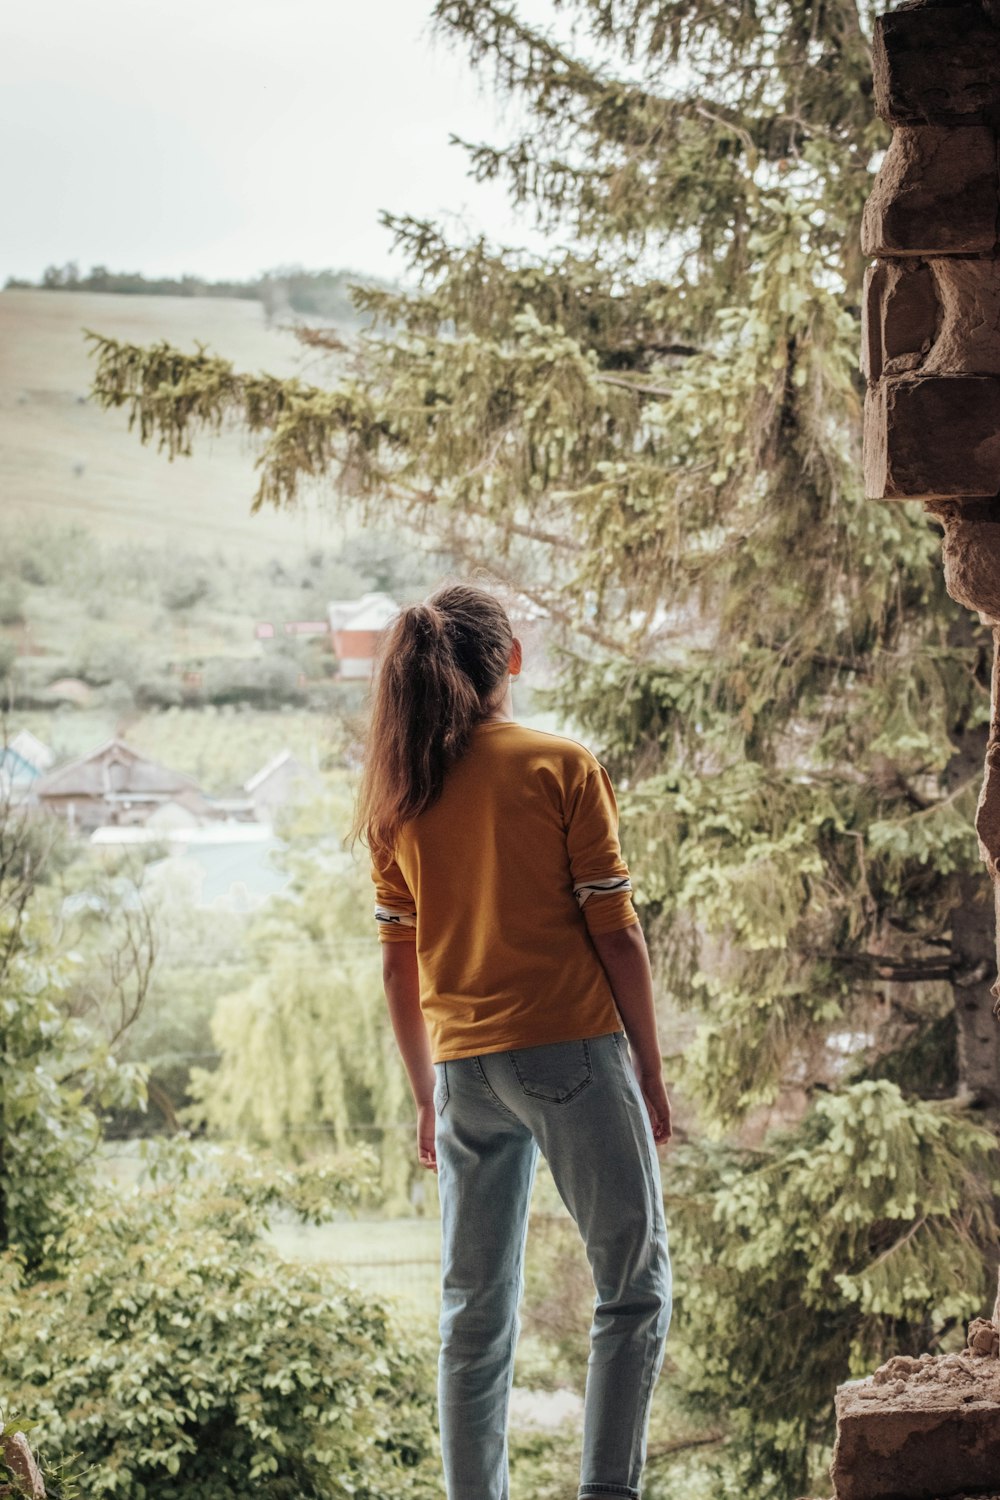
(425, 1137)
(654, 1092)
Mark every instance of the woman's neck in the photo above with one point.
(504, 709)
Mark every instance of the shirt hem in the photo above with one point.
(512, 1046)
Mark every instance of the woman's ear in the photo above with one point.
(515, 657)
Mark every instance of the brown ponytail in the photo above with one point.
(440, 666)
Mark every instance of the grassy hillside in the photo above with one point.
(61, 459)
(133, 574)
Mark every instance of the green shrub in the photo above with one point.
(188, 585)
(265, 682)
(13, 596)
(180, 1359)
(159, 691)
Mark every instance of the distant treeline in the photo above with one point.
(287, 289)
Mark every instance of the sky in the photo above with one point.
(227, 137)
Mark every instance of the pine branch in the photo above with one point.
(661, 1451)
(893, 970)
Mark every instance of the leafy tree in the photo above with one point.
(655, 434)
(13, 595)
(58, 1068)
(305, 1052)
(154, 1343)
(176, 1357)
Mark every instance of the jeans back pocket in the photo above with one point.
(555, 1071)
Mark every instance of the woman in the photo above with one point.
(517, 980)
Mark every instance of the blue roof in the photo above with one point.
(16, 767)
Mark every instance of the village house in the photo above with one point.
(115, 784)
(282, 779)
(355, 626)
(114, 787)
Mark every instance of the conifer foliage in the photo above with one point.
(654, 431)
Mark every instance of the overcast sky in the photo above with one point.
(224, 137)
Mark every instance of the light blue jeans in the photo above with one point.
(580, 1104)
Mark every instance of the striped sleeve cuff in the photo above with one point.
(585, 890)
(606, 904)
(396, 924)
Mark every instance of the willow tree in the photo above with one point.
(307, 1064)
(654, 433)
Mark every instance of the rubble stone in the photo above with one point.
(921, 1432)
(20, 1460)
(937, 65)
(933, 437)
(936, 193)
(984, 1340)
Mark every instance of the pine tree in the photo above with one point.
(655, 434)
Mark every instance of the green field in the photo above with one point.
(63, 459)
(219, 747)
(396, 1258)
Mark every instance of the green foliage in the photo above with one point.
(176, 1356)
(12, 601)
(155, 1344)
(263, 682)
(860, 1229)
(306, 1055)
(142, 624)
(8, 656)
(58, 1070)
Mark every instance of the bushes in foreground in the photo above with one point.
(176, 1356)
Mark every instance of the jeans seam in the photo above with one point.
(652, 1344)
(546, 1098)
(442, 1090)
(653, 1337)
(493, 1095)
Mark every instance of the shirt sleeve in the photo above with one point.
(395, 908)
(601, 882)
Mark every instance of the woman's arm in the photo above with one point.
(626, 962)
(401, 982)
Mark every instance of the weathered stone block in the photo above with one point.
(971, 554)
(899, 317)
(967, 340)
(938, 317)
(936, 65)
(936, 193)
(930, 1428)
(988, 811)
(871, 320)
(932, 437)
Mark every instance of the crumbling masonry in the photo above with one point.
(929, 1428)
(932, 305)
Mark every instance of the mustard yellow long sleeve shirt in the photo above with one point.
(500, 884)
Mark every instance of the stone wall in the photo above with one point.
(922, 1429)
(931, 340)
